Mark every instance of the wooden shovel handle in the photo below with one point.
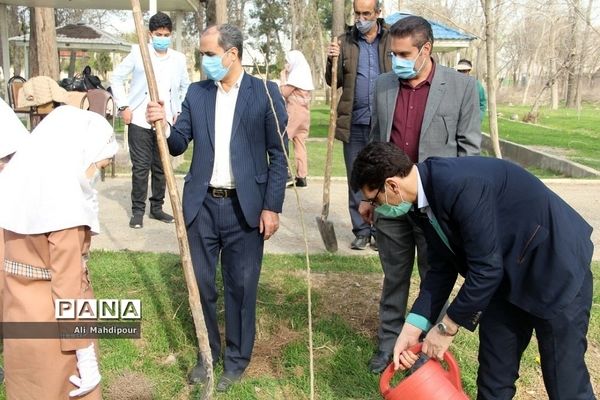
(330, 136)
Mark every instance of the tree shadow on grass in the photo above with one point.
(169, 278)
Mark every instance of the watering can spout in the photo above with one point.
(429, 381)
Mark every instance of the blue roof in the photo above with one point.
(440, 31)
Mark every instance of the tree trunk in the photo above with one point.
(321, 54)
(221, 11)
(294, 22)
(573, 48)
(72, 61)
(43, 51)
(582, 54)
(490, 11)
(533, 114)
(532, 61)
(552, 72)
(211, 12)
(338, 18)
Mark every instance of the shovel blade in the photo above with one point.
(327, 234)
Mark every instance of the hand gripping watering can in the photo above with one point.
(429, 382)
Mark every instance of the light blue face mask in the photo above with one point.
(394, 211)
(213, 67)
(161, 43)
(405, 69)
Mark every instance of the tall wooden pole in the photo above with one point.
(491, 22)
(184, 250)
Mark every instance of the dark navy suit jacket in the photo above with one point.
(510, 236)
(257, 157)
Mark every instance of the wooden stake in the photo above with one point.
(184, 250)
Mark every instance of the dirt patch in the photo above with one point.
(266, 355)
(130, 386)
(354, 297)
(351, 296)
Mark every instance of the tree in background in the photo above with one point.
(272, 24)
(101, 63)
(43, 52)
(490, 10)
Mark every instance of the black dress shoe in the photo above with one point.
(136, 222)
(227, 380)
(162, 216)
(301, 183)
(360, 243)
(379, 362)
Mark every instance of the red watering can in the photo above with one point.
(429, 382)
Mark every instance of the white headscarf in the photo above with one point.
(13, 133)
(44, 186)
(299, 71)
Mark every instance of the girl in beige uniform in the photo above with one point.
(296, 86)
(48, 220)
(12, 136)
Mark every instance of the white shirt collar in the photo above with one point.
(236, 85)
(422, 201)
(159, 56)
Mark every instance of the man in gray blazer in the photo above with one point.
(426, 110)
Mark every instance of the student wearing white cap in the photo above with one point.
(464, 66)
(48, 220)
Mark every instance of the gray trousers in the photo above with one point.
(396, 240)
(359, 138)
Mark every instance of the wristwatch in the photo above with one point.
(122, 108)
(444, 331)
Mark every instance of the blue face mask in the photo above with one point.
(394, 211)
(405, 69)
(161, 43)
(213, 67)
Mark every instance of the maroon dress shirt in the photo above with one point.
(408, 115)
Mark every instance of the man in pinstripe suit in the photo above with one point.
(233, 191)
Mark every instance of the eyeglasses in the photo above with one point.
(373, 200)
(366, 14)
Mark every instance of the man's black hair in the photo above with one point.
(418, 28)
(377, 162)
(160, 20)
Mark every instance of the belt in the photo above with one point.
(221, 192)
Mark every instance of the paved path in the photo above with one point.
(583, 195)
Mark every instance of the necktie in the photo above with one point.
(440, 232)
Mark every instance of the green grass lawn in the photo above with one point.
(563, 132)
(573, 135)
(345, 299)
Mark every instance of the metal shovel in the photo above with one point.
(326, 227)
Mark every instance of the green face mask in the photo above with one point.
(394, 211)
